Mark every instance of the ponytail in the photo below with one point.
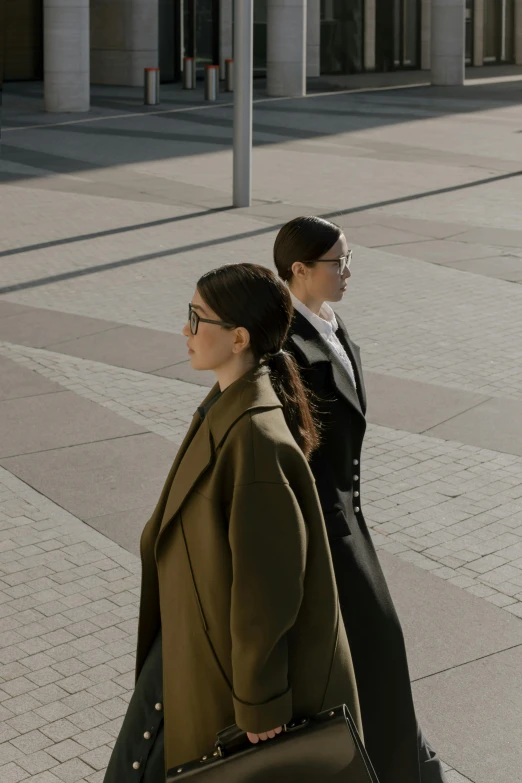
(253, 297)
(297, 409)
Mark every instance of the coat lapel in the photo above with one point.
(310, 343)
(193, 462)
(197, 451)
(197, 442)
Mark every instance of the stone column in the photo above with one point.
(124, 40)
(425, 35)
(313, 38)
(66, 55)
(286, 48)
(447, 42)
(478, 33)
(226, 34)
(518, 32)
(369, 34)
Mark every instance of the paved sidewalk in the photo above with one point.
(432, 502)
(106, 226)
(68, 605)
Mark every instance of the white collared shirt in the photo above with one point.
(326, 324)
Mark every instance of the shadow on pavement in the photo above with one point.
(41, 281)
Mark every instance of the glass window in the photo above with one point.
(342, 34)
(260, 21)
(491, 30)
(410, 34)
(397, 40)
(201, 31)
(470, 10)
(499, 31)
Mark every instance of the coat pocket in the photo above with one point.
(336, 524)
(192, 579)
(209, 643)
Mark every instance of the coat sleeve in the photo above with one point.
(268, 541)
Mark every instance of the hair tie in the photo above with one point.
(277, 353)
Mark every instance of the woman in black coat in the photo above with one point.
(312, 255)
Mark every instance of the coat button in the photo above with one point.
(357, 509)
(356, 477)
(356, 462)
(158, 706)
(136, 765)
(146, 735)
(356, 494)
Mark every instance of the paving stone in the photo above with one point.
(88, 718)
(72, 771)
(96, 778)
(49, 693)
(37, 762)
(18, 686)
(54, 711)
(31, 742)
(21, 704)
(60, 730)
(70, 667)
(8, 753)
(98, 758)
(7, 732)
(113, 708)
(93, 738)
(12, 773)
(44, 676)
(66, 750)
(27, 722)
(108, 689)
(45, 777)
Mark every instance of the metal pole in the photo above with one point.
(152, 86)
(243, 55)
(189, 71)
(211, 82)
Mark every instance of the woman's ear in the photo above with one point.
(241, 340)
(299, 269)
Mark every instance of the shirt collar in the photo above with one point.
(325, 322)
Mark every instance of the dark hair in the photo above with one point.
(253, 297)
(303, 239)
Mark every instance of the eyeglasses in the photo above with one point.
(343, 261)
(194, 320)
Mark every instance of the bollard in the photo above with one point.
(211, 82)
(229, 76)
(189, 73)
(152, 86)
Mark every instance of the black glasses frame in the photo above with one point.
(343, 261)
(195, 319)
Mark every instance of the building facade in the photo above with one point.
(112, 41)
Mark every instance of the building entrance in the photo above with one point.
(187, 28)
(499, 31)
(23, 40)
(397, 44)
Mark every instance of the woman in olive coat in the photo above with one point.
(239, 616)
(312, 256)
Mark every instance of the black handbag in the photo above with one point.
(322, 749)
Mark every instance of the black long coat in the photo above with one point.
(371, 622)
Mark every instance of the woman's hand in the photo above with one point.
(254, 738)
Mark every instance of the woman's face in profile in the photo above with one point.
(325, 280)
(212, 345)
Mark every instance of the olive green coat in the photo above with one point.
(237, 571)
